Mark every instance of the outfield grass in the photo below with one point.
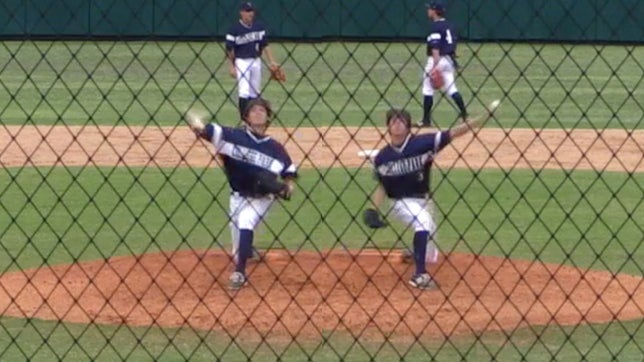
(153, 83)
(61, 215)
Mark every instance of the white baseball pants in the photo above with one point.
(246, 213)
(446, 67)
(249, 77)
(417, 214)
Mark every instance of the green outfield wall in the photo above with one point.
(485, 20)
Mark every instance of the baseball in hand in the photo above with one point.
(195, 122)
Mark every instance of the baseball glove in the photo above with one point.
(267, 183)
(373, 220)
(277, 73)
(436, 79)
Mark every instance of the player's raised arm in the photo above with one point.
(211, 132)
(465, 127)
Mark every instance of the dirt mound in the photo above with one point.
(309, 294)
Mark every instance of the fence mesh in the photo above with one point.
(114, 218)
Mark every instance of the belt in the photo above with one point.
(416, 196)
(248, 195)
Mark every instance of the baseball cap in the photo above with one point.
(435, 5)
(247, 6)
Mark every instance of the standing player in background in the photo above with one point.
(253, 163)
(402, 169)
(441, 63)
(246, 41)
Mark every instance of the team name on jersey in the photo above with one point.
(252, 156)
(253, 36)
(404, 166)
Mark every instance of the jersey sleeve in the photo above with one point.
(215, 134)
(433, 142)
(441, 139)
(377, 161)
(434, 37)
(230, 39)
(289, 171)
(264, 40)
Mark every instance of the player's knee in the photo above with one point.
(428, 91)
(248, 220)
(247, 224)
(424, 224)
(450, 88)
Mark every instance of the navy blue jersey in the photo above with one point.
(441, 37)
(246, 41)
(404, 171)
(245, 156)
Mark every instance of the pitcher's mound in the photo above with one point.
(309, 294)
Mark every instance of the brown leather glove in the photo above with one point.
(436, 79)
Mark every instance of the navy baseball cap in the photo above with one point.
(436, 5)
(247, 6)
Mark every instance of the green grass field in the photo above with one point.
(153, 83)
(62, 215)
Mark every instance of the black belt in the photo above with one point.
(415, 196)
(249, 195)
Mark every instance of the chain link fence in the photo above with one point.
(114, 217)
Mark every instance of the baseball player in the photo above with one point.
(253, 163)
(439, 72)
(402, 171)
(246, 41)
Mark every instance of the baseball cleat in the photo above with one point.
(422, 281)
(422, 124)
(237, 281)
